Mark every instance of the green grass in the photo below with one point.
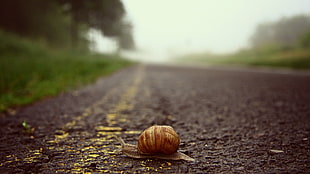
(291, 58)
(30, 71)
(294, 58)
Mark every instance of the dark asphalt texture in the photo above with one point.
(229, 121)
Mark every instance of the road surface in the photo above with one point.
(229, 121)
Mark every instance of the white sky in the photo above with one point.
(167, 28)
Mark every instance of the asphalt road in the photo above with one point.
(229, 121)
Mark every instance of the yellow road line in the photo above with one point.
(123, 104)
(126, 102)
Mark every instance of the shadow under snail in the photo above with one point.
(157, 141)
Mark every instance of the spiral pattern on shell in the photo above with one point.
(158, 139)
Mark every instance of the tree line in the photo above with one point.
(285, 33)
(65, 23)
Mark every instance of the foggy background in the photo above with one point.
(165, 29)
(49, 46)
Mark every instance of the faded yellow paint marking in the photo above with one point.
(111, 119)
(132, 132)
(70, 124)
(126, 102)
(100, 134)
(87, 148)
(105, 128)
(86, 113)
(93, 155)
(61, 137)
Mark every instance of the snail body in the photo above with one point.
(160, 142)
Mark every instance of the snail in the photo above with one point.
(157, 141)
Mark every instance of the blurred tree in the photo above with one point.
(263, 35)
(103, 15)
(284, 32)
(125, 39)
(59, 21)
(42, 20)
(304, 40)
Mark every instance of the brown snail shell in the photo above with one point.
(160, 142)
(158, 139)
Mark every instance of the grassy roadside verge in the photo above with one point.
(298, 58)
(29, 71)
